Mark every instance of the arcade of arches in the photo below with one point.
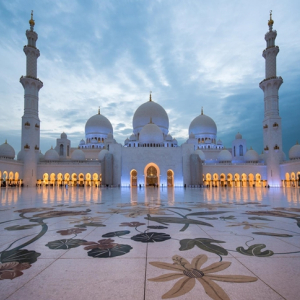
(235, 180)
(231, 180)
(10, 178)
(73, 179)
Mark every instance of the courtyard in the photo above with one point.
(149, 243)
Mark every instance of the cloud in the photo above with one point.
(111, 54)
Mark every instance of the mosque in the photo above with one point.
(151, 156)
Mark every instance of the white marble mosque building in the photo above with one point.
(150, 156)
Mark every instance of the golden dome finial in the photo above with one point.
(150, 120)
(202, 110)
(271, 22)
(6, 142)
(99, 110)
(31, 21)
(150, 98)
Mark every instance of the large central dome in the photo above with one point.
(98, 124)
(149, 110)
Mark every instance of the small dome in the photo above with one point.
(151, 133)
(238, 136)
(294, 152)
(251, 156)
(20, 156)
(41, 156)
(78, 155)
(126, 141)
(82, 142)
(102, 154)
(282, 156)
(133, 137)
(168, 138)
(201, 154)
(224, 156)
(262, 157)
(98, 124)
(203, 125)
(7, 151)
(219, 142)
(63, 136)
(51, 155)
(147, 110)
(175, 141)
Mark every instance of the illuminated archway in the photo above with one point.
(11, 177)
(251, 180)
(170, 178)
(52, 179)
(229, 180)
(133, 178)
(74, 179)
(244, 180)
(95, 179)
(216, 179)
(152, 175)
(45, 178)
(88, 179)
(237, 182)
(67, 178)
(208, 179)
(258, 180)
(222, 179)
(293, 178)
(80, 179)
(59, 179)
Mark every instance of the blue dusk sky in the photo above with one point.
(112, 53)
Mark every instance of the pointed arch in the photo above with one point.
(153, 179)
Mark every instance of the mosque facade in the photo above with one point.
(150, 156)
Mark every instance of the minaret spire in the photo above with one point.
(99, 110)
(272, 132)
(202, 110)
(31, 22)
(270, 22)
(150, 97)
(30, 143)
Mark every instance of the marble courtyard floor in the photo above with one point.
(121, 243)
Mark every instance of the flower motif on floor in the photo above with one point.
(102, 244)
(71, 231)
(11, 270)
(188, 273)
(248, 225)
(132, 224)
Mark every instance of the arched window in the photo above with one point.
(61, 150)
(241, 150)
(234, 151)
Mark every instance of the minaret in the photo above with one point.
(272, 132)
(30, 143)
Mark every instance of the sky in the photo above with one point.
(190, 54)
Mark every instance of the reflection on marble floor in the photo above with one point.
(217, 243)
